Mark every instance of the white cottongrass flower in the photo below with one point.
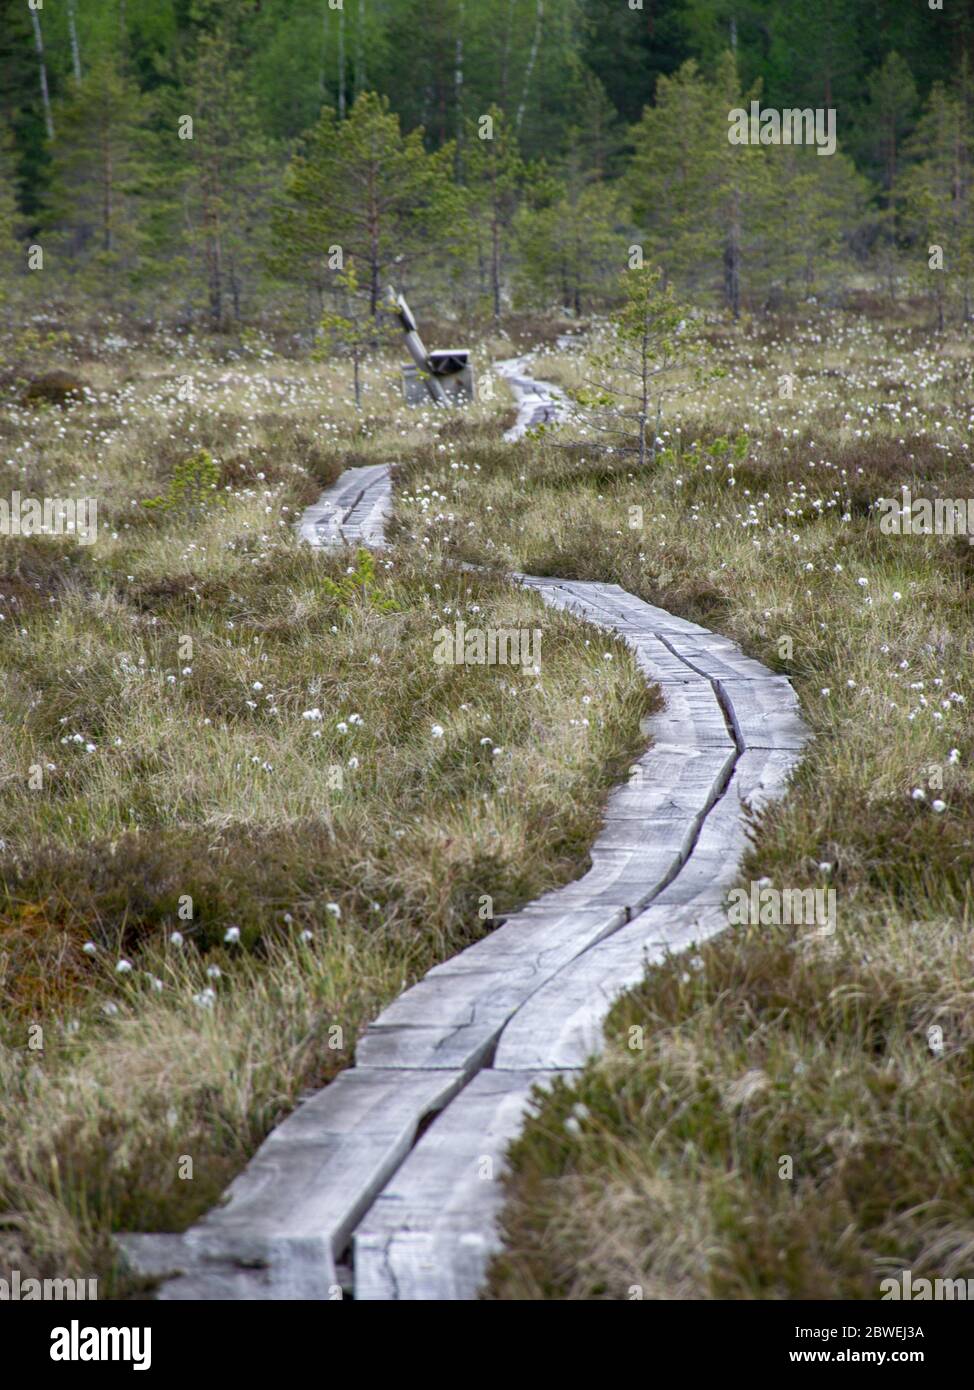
(123, 967)
(333, 910)
(437, 731)
(176, 938)
(213, 972)
(89, 948)
(231, 936)
(314, 714)
(205, 999)
(938, 806)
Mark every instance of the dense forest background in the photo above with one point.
(213, 162)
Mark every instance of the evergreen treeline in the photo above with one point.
(208, 158)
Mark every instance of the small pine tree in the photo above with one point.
(193, 487)
(809, 206)
(892, 104)
(228, 171)
(350, 330)
(654, 349)
(571, 247)
(691, 189)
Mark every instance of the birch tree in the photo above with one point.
(532, 62)
(73, 36)
(35, 20)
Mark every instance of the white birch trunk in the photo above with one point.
(45, 92)
(75, 45)
(532, 60)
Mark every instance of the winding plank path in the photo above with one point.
(385, 1185)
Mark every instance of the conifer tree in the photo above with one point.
(571, 248)
(350, 330)
(228, 172)
(360, 189)
(938, 192)
(808, 209)
(493, 172)
(889, 117)
(654, 349)
(11, 257)
(9, 217)
(692, 190)
(100, 164)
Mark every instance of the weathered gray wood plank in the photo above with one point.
(356, 504)
(766, 713)
(294, 1206)
(430, 1235)
(562, 1025)
(693, 718)
(253, 1270)
(669, 783)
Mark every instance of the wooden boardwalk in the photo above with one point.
(385, 1185)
